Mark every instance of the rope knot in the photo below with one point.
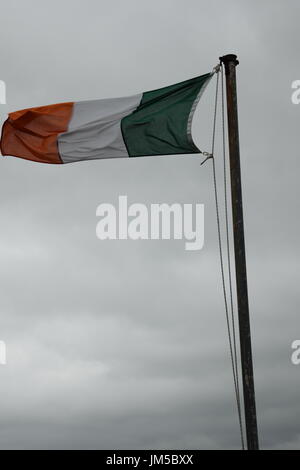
(207, 156)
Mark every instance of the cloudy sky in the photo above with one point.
(122, 344)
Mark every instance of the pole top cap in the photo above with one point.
(229, 58)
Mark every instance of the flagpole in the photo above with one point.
(230, 62)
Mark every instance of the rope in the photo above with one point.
(232, 342)
(229, 260)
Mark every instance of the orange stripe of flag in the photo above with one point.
(32, 133)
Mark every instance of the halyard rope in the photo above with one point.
(230, 327)
(229, 258)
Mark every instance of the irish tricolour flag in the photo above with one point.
(156, 122)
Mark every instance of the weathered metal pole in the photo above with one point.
(230, 62)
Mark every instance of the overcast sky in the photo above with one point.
(122, 344)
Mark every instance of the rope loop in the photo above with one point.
(207, 155)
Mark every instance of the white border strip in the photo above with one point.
(194, 106)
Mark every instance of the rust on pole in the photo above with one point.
(230, 62)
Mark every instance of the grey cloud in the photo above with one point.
(123, 344)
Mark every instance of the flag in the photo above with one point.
(156, 122)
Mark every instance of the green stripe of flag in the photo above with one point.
(161, 124)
